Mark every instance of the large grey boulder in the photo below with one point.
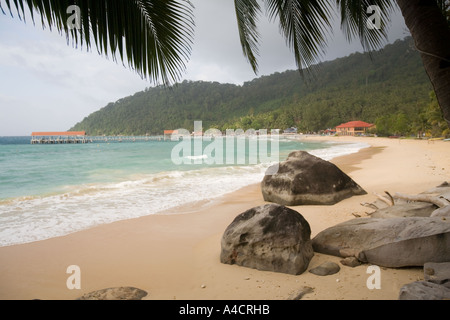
(437, 272)
(304, 179)
(424, 290)
(269, 237)
(436, 284)
(395, 242)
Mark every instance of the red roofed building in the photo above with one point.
(168, 134)
(54, 137)
(353, 128)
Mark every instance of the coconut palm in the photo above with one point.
(155, 36)
(428, 22)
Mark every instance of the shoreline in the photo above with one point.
(144, 193)
(172, 255)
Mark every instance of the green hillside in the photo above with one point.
(391, 83)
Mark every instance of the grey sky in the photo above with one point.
(46, 85)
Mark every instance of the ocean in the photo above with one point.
(55, 189)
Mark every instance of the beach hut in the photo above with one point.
(168, 134)
(354, 128)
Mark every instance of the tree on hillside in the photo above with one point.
(429, 24)
(155, 36)
(436, 125)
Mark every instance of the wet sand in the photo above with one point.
(175, 254)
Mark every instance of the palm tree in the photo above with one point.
(429, 24)
(304, 23)
(155, 36)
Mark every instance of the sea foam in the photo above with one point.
(28, 219)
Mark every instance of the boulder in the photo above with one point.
(117, 293)
(424, 290)
(304, 179)
(351, 262)
(269, 237)
(326, 269)
(395, 242)
(437, 272)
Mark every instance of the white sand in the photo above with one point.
(172, 255)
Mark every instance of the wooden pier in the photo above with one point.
(78, 137)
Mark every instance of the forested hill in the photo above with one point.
(392, 82)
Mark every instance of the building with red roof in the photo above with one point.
(53, 137)
(354, 128)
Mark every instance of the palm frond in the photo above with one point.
(153, 36)
(304, 24)
(247, 15)
(354, 19)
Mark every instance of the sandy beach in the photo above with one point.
(175, 254)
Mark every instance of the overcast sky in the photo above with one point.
(46, 85)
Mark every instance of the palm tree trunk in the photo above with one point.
(431, 34)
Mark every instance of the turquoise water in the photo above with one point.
(52, 190)
(39, 170)
(43, 169)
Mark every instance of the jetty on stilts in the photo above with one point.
(68, 137)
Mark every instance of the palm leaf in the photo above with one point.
(153, 36)
(304, 23)
(247, 13)
(354, 18)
